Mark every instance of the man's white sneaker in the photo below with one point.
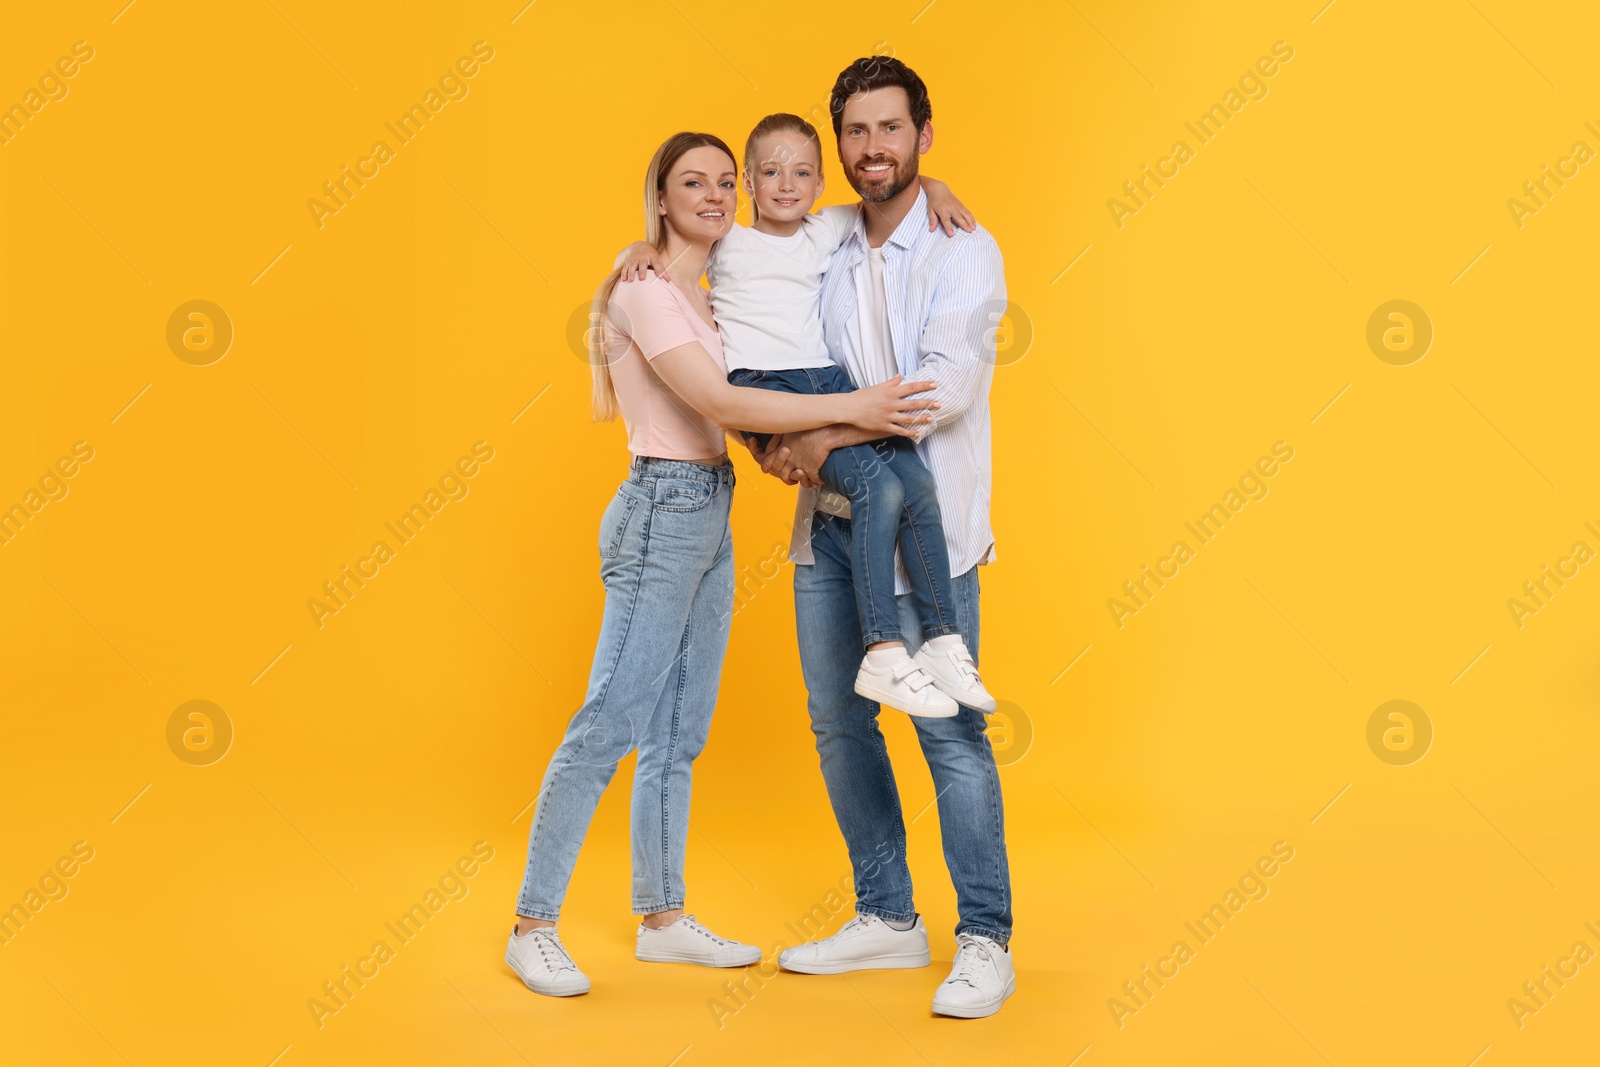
(542, 962)
(980, 980)
(956, 675)
(904, 684)
(864, 943)
(686, 941)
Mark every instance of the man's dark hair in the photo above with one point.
(880, 72)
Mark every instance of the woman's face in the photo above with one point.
(700, 196)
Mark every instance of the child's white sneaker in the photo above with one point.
(903, 683)
(686, 941)
(956, 675)
(542, 962)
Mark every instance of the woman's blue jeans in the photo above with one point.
(666, 559)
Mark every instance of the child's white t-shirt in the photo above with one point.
(766, 291)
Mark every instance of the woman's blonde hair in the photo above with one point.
(655, 233)
(782, 122)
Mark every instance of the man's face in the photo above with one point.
(878, 145)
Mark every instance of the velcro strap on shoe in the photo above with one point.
(910, 672)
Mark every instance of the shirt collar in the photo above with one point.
(906, 234)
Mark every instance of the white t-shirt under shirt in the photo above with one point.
(767, 291)
(876, 352)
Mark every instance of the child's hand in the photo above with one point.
(945, 210)
(638, 258)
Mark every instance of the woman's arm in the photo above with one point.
(883, 410)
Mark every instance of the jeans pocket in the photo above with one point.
(744, 377)
(614, 524)
(683, 494)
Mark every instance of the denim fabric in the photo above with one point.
(855, 761)
(666, 560)
(893, 502)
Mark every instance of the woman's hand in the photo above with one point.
(889, 409)
(638, 258)
(945, 210)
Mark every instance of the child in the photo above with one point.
(766, 286)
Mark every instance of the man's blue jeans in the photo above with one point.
(855, 761)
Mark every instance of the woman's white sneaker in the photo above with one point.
(686, 941)
(980, 980)
(904, 684)
(864, 943)
(542, 962)
(956, 675)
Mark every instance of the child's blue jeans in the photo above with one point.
(892, 503)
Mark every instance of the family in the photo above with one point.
(851, 351)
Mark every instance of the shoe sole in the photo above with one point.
(884, 698)
(546, 992)
(683, 957)
(871, 963)
(988, 707)
(977, 1011)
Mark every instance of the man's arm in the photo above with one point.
(957, 342)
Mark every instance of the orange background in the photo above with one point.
(1147, 767)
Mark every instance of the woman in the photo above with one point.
(666, 560)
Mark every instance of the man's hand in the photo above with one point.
(773, 459)
(797, 458)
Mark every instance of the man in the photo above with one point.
(901, 300)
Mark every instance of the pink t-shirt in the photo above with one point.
(645, 319)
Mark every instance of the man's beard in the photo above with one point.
(899, 179)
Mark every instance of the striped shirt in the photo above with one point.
(945, 298)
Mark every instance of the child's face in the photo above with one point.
(786, 178)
